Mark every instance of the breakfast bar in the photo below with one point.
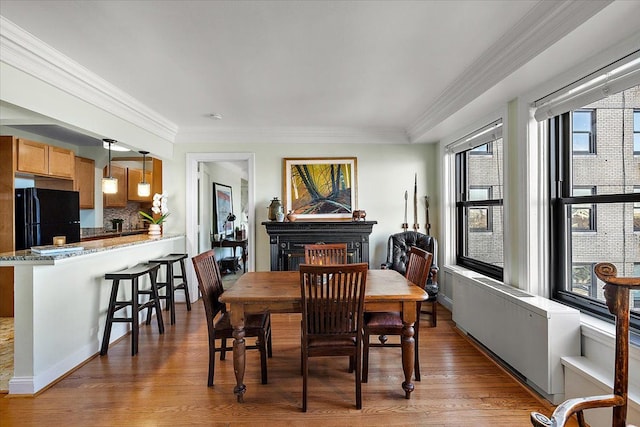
(63, 299)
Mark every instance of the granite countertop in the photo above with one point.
(88, 247)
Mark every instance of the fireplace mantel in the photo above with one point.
(287, 240)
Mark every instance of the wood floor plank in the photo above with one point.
(166, 384)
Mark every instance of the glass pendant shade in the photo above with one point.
(144, 189)
(109, 185)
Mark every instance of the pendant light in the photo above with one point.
(109, 184)
(144, 188)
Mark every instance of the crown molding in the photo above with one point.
(27, 53)
(299, 135)
(544, 25)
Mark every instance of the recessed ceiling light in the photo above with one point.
(215, 116)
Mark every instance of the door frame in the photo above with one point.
(192, 196)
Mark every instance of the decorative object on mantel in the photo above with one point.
(274, 207)
(291, 216)
(359, 215)
(416, 227)
(405, 224)
(158, 207)
(321, 187)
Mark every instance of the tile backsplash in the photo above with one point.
(129, 214)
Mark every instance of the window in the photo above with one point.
(479, 187)
(479, 218)
(481, 149)
(583, 216)
(600, 194)
(636, 132)
(583, 280)
(583, 134)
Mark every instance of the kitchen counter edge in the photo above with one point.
(89, 247)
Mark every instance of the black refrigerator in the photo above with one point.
(42, 214)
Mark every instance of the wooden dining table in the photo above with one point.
(279, 292)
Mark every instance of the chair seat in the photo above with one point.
(331, 342)
(252, 324)
(383, 320)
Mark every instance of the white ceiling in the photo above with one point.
(395, 67)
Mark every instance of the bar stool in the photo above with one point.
(169, 283)
(133, 274)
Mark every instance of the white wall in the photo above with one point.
(385, 172)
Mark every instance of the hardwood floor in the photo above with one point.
(166, 384)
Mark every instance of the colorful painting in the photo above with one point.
(222, 207)
(320, 188)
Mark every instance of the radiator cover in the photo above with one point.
(528, 333)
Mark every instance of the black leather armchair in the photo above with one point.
(398, 254)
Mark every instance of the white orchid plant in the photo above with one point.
(159, 206)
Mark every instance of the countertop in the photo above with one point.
(88, 247)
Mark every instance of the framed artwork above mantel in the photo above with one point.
(320, 188)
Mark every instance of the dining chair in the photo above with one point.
(616, 295)
(383, 324)
(332, 310)
(325, 253)
(219, 319)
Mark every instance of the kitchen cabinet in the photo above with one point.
(118, 200)
(46, 160)
(134, 176)
(84, 182)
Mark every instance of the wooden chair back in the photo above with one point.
(325, 254)
(209, 283)
(333, 299)
(616, 294)
(418, 266)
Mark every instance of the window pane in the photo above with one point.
(582, 280)
(582, 121)
(486, 247)
(581, 142)
(479, 193)
(486, 172)
(614, 242)
(614, 169)
(478, 219)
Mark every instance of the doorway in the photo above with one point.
(196, 197)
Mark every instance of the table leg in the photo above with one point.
(237, 320)
(408, 346)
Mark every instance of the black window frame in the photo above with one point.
(560, 142)
(462, 206)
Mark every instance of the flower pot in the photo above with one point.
(154, 230)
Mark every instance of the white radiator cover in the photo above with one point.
(529, 333)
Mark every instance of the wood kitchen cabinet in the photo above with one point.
(45, 160)
(84, 182)
(118, 200)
